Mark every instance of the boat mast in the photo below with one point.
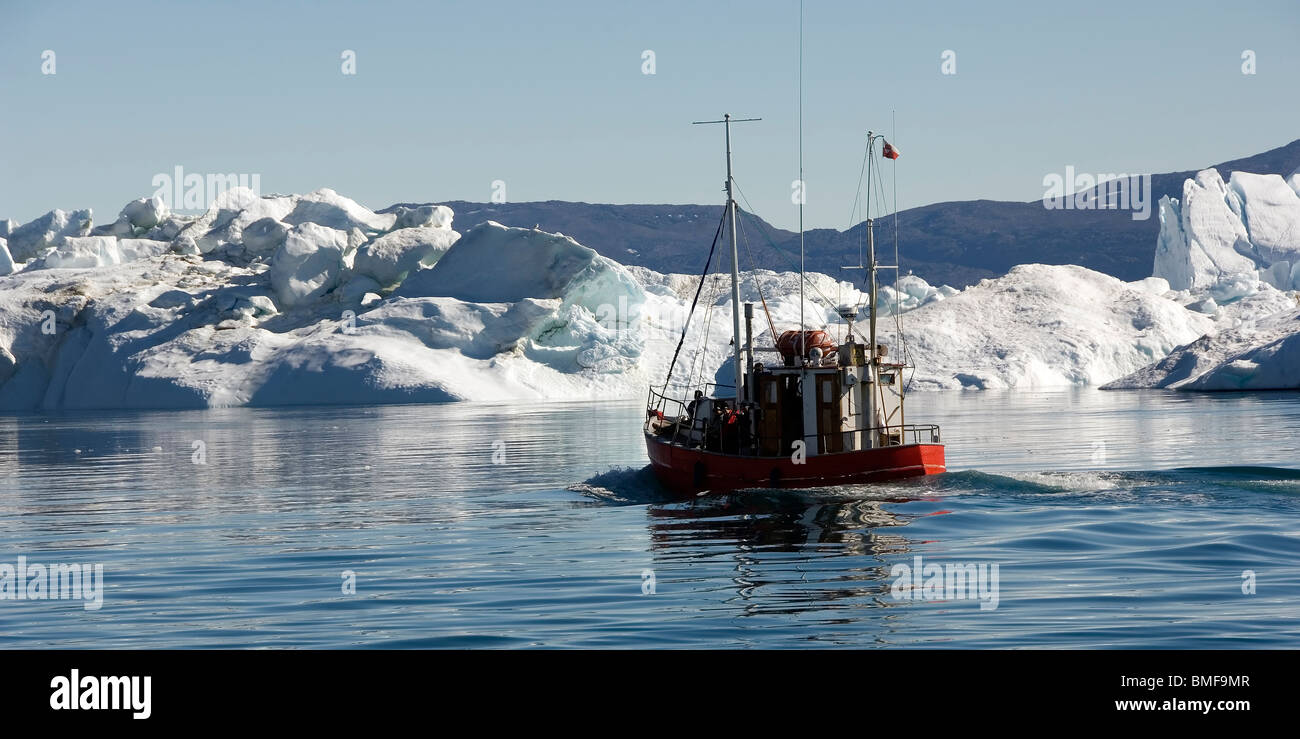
(735, 272)
(741, 370)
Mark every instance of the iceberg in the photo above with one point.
(1043, 326)
(388, 259)
(140, 323)
(7, 265)
(1253, 343)
(1270, 212)
(433, 216)
(263, 236)
(85, 252)
(292, 299)
(31, 239)
(145, 212)
(325, 207)
(308, 264)
(494, 263)
(1257, 355)
(1248, 228)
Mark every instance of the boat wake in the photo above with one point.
(1194, 485)
(625, 486)
(639, 486)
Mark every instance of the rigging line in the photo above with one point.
(778, 250)
(898, 328)
(697, 362)
(716, 288)
(897, 305)
(701, 351)
(857, 196)
(898, 262)
(753, 267)
(870, 158)
(880, 191)
(707, 261)
(868, 273)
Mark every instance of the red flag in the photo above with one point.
(888, 151)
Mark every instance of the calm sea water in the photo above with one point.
(1115, 519)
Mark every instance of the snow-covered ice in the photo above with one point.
(7, 265)
(32, 238)
(1231, 251)
(391, 257)
(308, 264)
(1247, 228)
(84, 252)
(145, 212)
(288, 299)
(1256, 355)
(1043, 326)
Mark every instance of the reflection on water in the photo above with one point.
(741, 526)
(1117, 519)
(771, 521)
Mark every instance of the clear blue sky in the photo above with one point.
(550, 98)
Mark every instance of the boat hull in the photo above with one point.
(693, 470)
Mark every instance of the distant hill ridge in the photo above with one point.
(957, 243)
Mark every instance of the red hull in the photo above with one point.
(693, 470)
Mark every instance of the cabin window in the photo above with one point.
(826, 391)
(771, 392)
(887, 379)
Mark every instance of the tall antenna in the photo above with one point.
(803, 187)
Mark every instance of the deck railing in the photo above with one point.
(662, 409)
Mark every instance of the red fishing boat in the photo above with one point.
(821, 413)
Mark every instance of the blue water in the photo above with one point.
(1115, 519)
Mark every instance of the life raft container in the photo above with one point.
(788, 343)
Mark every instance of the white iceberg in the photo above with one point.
(327, 208)
(145, 212)
(1270, 211)
(308, 264)
(1042, 326)
(433, 216)
(391, 257)
(234, 210)
(87, 252)
(30, 239)
(7, 265)
(263, 236)
(1247, 229)
(1256, 355)
(1201, 248)
(494, 264)
(281, 312)
(171, 330)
